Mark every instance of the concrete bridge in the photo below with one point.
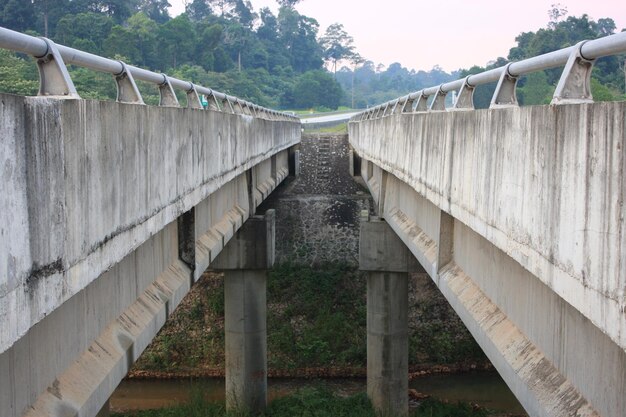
(110, 211)
(517, 214)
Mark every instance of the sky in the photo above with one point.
(453, 34)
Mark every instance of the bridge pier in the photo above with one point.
(387, 261)
(244, 261)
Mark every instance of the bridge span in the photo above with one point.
(110, 211)
(517, 214)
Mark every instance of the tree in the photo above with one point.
(178, 39)
(298, 35)
(288, 3)
(336, 44)
(316, 89)
(17, 76)
(556, 12)
(156, 10)
(198, 10)
(224, 7)
(244, 14)
(355, 60)
(84, 31)
(119, 10)
(17, 15)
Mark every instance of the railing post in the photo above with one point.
(422, 102)
(439, 101)
(465, 98)
(168, 97)
(127, 91)
(193, 99)
(505, 95)
(575, 83)
(54, 79)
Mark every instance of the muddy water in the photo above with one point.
(485, 389)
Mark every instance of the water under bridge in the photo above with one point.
(110, 211)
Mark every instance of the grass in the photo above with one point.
(336, 129)
(316, 319)
(310, 402)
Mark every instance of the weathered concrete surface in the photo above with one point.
(85, 183)
(387, 262)
(70, 362)
(517, 215)
(100, 209)
(245, 261)
(544, 184)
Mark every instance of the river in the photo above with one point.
(484, 388)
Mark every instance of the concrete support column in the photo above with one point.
(387, 342)
(246, 339)
(387, 261)
(245, 261)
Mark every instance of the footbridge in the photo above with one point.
(110, 211)
(517, 214)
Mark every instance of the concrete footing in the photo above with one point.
(387, 261)
(245, 261)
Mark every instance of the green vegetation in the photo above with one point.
(318, 316)
(537, 88)
(311, 402)
(272, 60)
(316, 319)
(339, 129)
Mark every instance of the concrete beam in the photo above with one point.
(253, 246)
(380, 249)
(88, 182)
(544, 184)
(556, 362)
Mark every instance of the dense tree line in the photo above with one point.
(273, 60)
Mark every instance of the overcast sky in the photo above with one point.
(450, 33)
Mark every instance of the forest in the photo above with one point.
(281, 61)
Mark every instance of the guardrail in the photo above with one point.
(54, 79)
(574, 85)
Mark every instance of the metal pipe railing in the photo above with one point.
(586, 51)
(38, 47)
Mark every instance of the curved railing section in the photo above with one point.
(574, 86)
(54, 78)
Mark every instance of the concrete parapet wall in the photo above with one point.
(85, 183)
(544, 184)
(478, 208)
